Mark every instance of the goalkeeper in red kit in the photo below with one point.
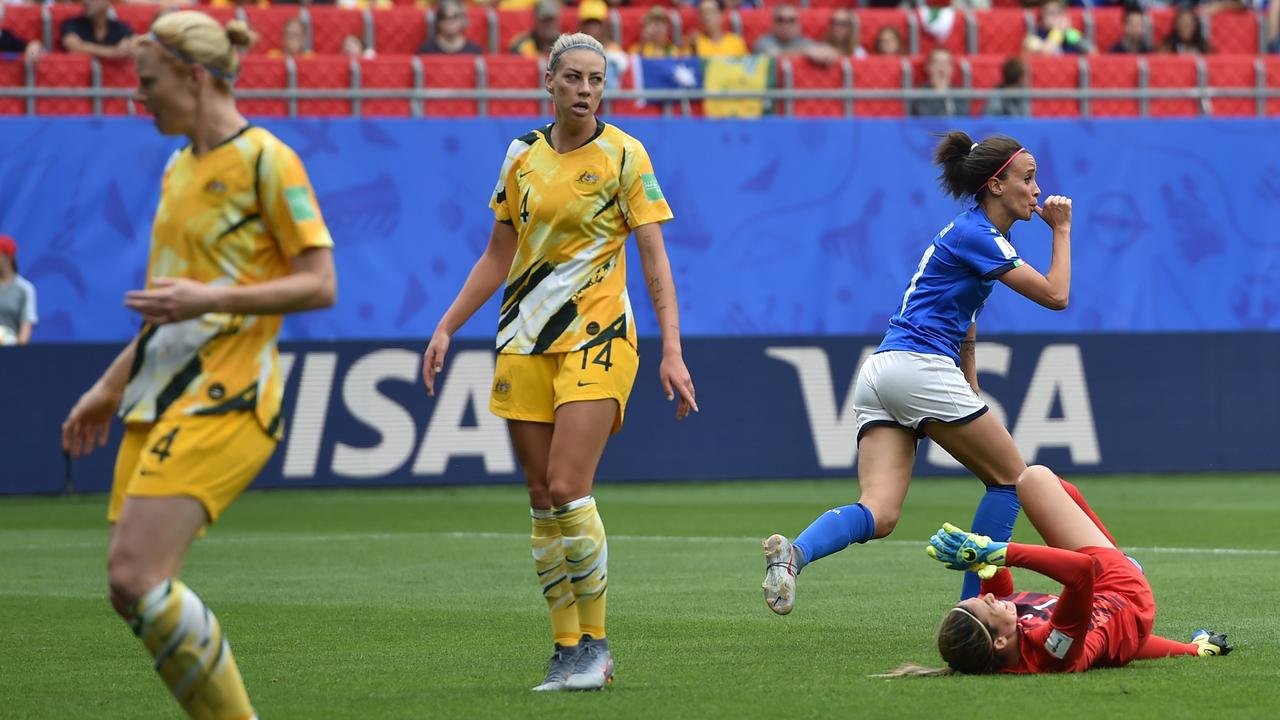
(1102, 618)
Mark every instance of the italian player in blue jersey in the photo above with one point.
(922, 381)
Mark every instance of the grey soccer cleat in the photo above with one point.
(593, 668)
(559, 668)
(779, 574)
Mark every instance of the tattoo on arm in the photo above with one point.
(655, 294)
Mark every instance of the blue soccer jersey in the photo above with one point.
(952, 283)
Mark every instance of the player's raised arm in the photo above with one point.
(1053, 289)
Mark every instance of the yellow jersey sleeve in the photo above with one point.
(498, 203)
(641, 196)
(289, 205)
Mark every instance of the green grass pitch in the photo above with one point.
(422, 604)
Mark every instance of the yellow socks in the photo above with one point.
(191, 654)
(586, 554)
(553, 575)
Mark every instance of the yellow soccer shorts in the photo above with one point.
(532, 387)
(211, 458)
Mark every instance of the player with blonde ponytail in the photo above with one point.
(237, 242)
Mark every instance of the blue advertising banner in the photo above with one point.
(782, 227)
(357, 415)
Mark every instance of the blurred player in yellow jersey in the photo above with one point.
(568, 196)
(237, 241)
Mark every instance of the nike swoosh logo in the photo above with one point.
(582, 384)
(526, 172)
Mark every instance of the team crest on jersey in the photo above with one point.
(501, 388)
(588, 180)
(215, 187)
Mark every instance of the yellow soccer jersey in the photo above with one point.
(572, 213)
(234, 216)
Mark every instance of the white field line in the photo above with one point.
(307, 537)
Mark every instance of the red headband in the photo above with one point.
(1002, 167)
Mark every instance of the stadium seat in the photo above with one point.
(389, 71)
(330, 25)
(449, 72)
(877, 72)
(751, 24)
(1113, 71)
(801, 74)
(1161, 22)
(25, 21)
(511, 25)
(630, 23)
(1000, 31)
(324, 72)
(513, 72)
(1053, 72)
(268, 23)
(870, 20)
(1233, 71)
(68, 71)
(57, 13)
(13, 73)
(118, 74)
(399, 30)
(1233, 33)
(981, 72)
(1107, 27)
(137, 17)
(1173, 71)
(222, 14)
(258, 72)
(1272, 67)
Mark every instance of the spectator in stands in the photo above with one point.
(1187, 35)
(1013, 76)
(593, 17)
(711, 39)
(96, 33)
(889, 42)
(293, 40)
(450, 36)
(655, 36)
(1134, 39)
(546, 28)
(17, 298)
(939, 70)
(12, 44)
(787, 38)
(839, 35)
(1273, 25)
(353, 47)
(1055, 33)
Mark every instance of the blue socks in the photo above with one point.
(837, 529)
(996, 513)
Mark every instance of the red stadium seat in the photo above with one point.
(222, 14)
(870, 21)
(59, 12)
(1000, 31)
(68, 71)
(1108, 27)
(1272, 67)
(514, 23)
(1113, 71)
(982, 72)
(630, 25)
(118, 74)
(324, 72)
(1233, 71)
(513, 72)
(880, 72)
(1173, 71)
(1161, 20)
(815, 21)
(258, 72)
(801, 74)
(1051, 72)
(268, 23)
(399, 30)
(1233, 33)
(752, 23)
(833, 4)
(137, 17)
(330, 25)
(13, 73)
(389, 71)
(449, 72)
(25, 21)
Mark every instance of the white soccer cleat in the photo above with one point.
(593, 667)
(559, 668)
(779, 574)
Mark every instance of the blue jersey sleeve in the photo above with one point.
(987, 252)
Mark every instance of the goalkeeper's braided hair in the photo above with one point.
(963, 641)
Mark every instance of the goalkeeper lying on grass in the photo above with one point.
(1102, 618)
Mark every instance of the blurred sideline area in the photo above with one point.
(792, 243)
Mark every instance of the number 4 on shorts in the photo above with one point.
(162, 447)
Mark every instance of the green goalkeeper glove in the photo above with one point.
(960, 550)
